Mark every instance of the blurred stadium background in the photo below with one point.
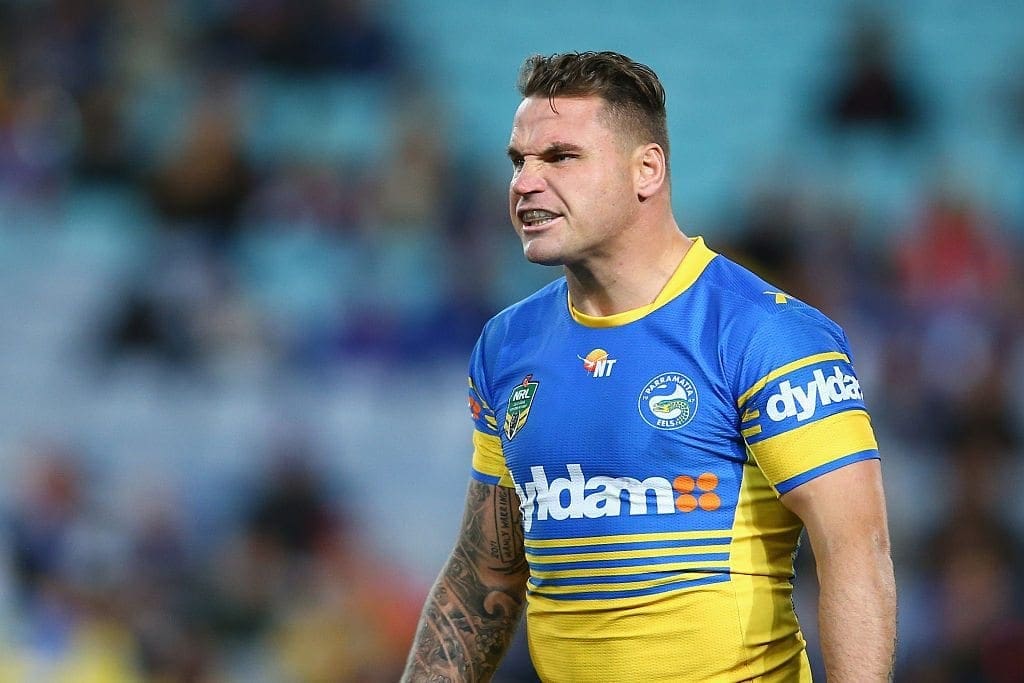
(246, 247)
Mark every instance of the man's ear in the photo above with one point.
(652, 170)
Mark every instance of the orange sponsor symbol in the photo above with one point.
(707, 482)
(687, 501)
(683, 483)
(709, 501)
(593, 358)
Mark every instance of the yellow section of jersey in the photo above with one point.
(740, 630)
(488, 457)
(622, 538)
(620, 571)
(619, 554)
(800, 450)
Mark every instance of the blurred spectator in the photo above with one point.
(69, 562)
(204, 184)
(953, 256)
(291, 510)
(186, 313)
(103, 152)
(343, 35)
(352, 619)
(45, 516)
(870, 91)
(304, 195)
(973, 606)
(162, 597)
(39, 127)
(306, 583)
(114, 603)
(770, 238)
(956, 276)
(416, 180)
(61, 43)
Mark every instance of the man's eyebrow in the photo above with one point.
(554, 149)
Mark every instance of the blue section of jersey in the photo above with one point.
(720, 576)
(587, 580)
(631, 562)
(632, 545)
(485, 478)
(791, 483)
(643, 428)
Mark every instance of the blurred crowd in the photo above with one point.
(290, 593)
(277, 184)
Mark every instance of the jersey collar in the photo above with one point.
(687, 272)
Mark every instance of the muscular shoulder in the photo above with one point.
(745, 302)
(745, 294)
(759, 327)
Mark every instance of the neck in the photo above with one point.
(629, 278)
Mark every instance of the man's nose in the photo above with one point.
(529, 179)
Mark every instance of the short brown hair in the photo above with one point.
(634, 95)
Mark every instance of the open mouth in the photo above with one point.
(535, 218)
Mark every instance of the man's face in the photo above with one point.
(572, 189)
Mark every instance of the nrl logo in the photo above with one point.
(519, 403)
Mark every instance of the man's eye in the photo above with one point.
(517, 164)
(562, 157)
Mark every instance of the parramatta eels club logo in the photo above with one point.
(519, 402)
(669, 401)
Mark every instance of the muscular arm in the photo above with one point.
(474, 607)
(844, 513)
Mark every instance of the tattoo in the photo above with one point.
(507, 549)
(474, 608)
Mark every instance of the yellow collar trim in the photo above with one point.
(689, 269)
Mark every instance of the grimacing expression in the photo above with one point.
(572, 189)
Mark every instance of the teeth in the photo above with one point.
(534, 216)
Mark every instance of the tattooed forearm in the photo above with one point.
(474, 608)
(507, 546)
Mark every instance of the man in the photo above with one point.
(652, 433)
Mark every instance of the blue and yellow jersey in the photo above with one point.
(649, 450)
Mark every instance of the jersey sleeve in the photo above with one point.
(802, 413)
(488, 458)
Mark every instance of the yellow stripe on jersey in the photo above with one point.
(751, 431)
(802, 449)
(623, 586)
(786, 369)
(627, 538)
(625, 554)
(489, 459)
(623, 571)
